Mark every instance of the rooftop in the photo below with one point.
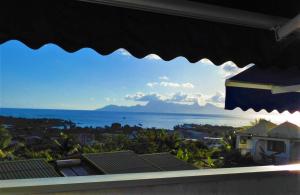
(285, 130)
(35, 168)
(167, 162)
(129, 162)
(260, 129)
(92, 164)
(265, 128)
(120, 162)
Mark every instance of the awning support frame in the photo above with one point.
(291, 26)
(282, 26)
(203, 12)
(275, 89)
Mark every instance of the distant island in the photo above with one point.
(168, 107)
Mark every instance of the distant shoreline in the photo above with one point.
(146, 119)
(160, 113)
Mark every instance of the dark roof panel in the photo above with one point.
(120, 162)
(167, 162)
(264, 96)
(25, 169)
(274, 76)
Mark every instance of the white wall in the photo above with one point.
(244, 148)
(261, 142)
(295, 152)
(254, 144)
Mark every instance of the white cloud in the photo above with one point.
(152, 57)
(165, 78)
(229, 69)
(187, 85)
(124, 52)
(218, 99)
(186, 98)
(92, 99)
(152, 84)
(139, 96)
(206, 61)
(171, 85)
(176, 85)
(135, 96)
(178, 97)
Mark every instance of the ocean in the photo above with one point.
(148, 120)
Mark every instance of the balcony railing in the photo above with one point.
(246, 180)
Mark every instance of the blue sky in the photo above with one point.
(53, 78)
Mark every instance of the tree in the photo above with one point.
(254, 122)
(116, 126)
(66, 145)
(5, 138)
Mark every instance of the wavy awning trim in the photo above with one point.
(74, 25)
(260, 89)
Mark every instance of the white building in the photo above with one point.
(269, 143)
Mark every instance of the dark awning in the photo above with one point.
(269, 89)
(73, 25)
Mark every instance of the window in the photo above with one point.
(243, 140)
(276, 146)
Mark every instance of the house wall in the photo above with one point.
(255, 145)
(244, 148)
(256, 150)
(261, 143)
(295, 152)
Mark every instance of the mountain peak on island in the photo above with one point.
(167, 107)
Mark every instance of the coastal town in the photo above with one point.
(54, 139)
(201, 146)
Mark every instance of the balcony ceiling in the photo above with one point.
(73, 25)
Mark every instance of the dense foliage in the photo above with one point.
(52, 143)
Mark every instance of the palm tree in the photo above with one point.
(66, 145)
(5, 140)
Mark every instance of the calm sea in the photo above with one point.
(100, 119)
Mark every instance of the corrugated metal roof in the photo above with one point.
(25, 169)
(76, 167)
(286, 131)
(167, 162)
(260, 129)
(120, 162)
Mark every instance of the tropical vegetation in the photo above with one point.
(17, 141)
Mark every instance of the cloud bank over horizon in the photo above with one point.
(217, 99)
